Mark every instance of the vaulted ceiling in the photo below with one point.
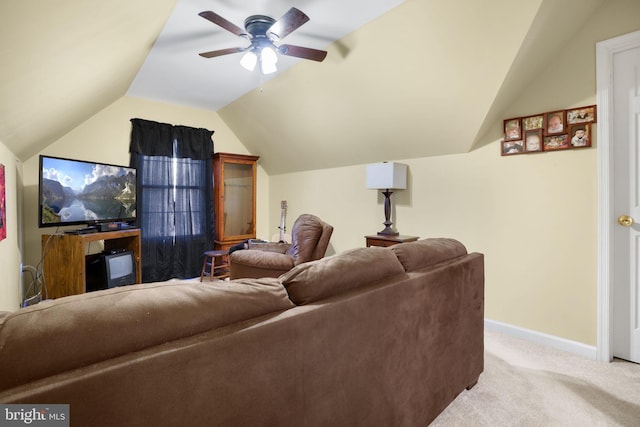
(402, 79)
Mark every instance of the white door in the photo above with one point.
(625, 255)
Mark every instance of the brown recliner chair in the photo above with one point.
(309, 240)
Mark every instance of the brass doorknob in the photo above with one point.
(625, 220)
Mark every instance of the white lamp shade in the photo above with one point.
(387, 175)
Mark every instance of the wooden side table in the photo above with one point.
(380, 240)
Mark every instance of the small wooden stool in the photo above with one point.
(217, 270)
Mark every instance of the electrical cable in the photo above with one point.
(40, 265)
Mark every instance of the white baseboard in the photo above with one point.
(563, 344)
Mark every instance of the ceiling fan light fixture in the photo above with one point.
(249, 60)
(263, 31)
(268, 68)
(268, 60)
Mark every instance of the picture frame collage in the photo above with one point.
(550, 131)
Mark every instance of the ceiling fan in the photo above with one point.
(264, 32)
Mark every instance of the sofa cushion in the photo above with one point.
(427, 252)
(340, 273)
(96, 326)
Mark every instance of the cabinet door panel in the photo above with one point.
(238, 200)
(234, 184)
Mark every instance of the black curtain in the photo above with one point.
(175, 197)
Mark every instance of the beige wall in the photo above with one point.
(533, 216)
(105, 137)
(10, 248)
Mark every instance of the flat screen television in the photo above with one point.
(110, 270)
(73, 192)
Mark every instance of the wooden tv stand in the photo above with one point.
(65, 255)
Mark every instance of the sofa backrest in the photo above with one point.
(427, 252)
(340, 273)
(67, 333)
(356, 268)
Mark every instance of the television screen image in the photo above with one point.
(81, 192)
(120, 266)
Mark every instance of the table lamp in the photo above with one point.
(387, 176)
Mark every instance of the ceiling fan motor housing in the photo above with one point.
(257, 25)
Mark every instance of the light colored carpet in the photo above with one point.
(527, 384)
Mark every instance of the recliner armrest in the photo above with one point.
(270, 247)
(258, 263)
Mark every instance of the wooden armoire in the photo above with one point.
(234, 198)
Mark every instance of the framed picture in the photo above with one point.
(580, 135)
(555, 123)
(581, 115)
(533, 122)
(512, 129)
(512, 147)
(533, 140)
(550, 131)
(556, 142)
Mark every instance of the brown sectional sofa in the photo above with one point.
(369, 337)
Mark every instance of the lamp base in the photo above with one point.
(387, 215)
(388, 232)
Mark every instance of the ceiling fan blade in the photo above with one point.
(220, 21)
(303, 52)
(290, 21)
(221, 52)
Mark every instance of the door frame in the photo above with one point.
(605, 51)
